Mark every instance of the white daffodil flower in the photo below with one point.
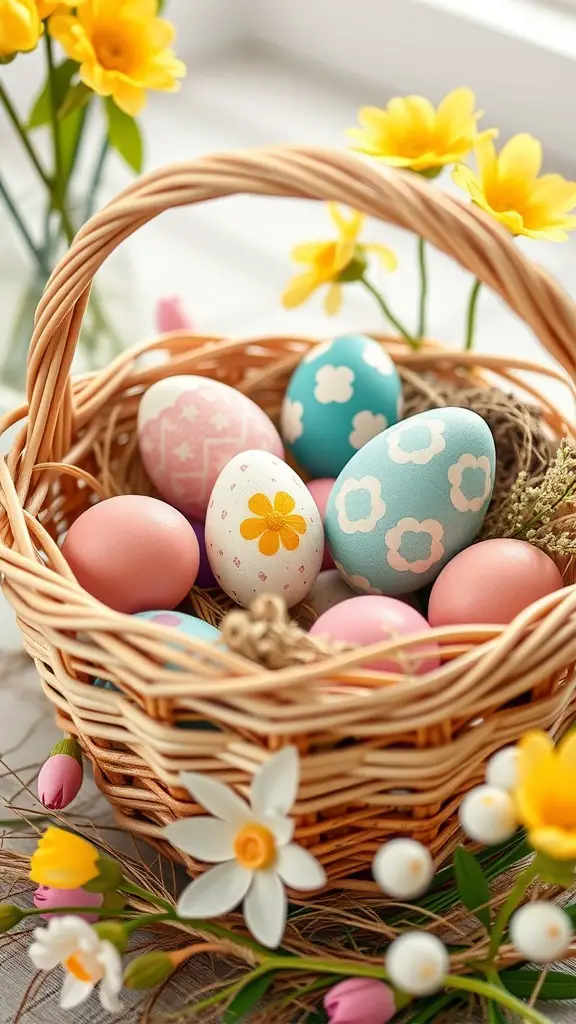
(88, 960)
(251, 846)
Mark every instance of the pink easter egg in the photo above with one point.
(133, 553)
(492, 582)
(189, 428)
(46, 898)
(369, 619)
(320, 491)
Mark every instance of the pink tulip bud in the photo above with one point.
(50, 899)
(360, 1001)
(60, 777)
(171, 315)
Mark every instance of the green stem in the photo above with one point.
(497, 995)
(523, 883)
(413, 342)
(471, 316)
(21, 131)
(58, 181)
(423, 287)
(20, 224)
(36, 911)
(144, 894)
(96, 178)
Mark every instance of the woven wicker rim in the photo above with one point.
(73, 637)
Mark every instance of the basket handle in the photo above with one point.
(478, 243)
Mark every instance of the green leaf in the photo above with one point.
(427, 1010)
(557, 984)
(495, 1015)
(246, 999)
(124, 135)
(78, 96)
(70, 134)
(41, 109)
(473, 888)
(161, 6)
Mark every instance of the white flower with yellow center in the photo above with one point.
(251, 846)
(541, 932)
(87, 959)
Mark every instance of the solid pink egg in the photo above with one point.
(320, 491)
(133, 553)
(370, 619)
(492, 581)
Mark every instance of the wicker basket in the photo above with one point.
(389, 755)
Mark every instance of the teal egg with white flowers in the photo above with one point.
(410, 500)
(341, 395)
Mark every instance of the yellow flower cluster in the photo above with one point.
(122, 46)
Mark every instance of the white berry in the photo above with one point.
(417, 963)
(502, 769)
(488, 815)
(403, 869)
(541, 932)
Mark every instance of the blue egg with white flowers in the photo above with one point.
(343, 393)
(410, 500)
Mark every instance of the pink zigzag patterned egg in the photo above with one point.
(189, 428)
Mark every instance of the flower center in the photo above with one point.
(255, 847)
(115, 49)
(274, 521)
(75, 966)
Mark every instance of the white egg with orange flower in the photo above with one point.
(264, 533)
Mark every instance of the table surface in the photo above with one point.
(235, 102)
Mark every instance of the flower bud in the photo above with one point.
(417, 963)
(113, 932)
(46, 898)
(488, 815)
(360, 1001)
(60, 778)
(541, 931)
(502, 769)
(403, 869)
(171, 315)
(109, 876)
(10, 916)
(148, 970)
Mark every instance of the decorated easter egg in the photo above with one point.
(320, 491)
(410, 500)
(205, 577)
(492, 581)
(190, 625)
(264, 534)
(342, 394)
(329, 590)
(369, 620)
(188, 429)
(133, 553)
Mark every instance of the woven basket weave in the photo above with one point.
(384, 755)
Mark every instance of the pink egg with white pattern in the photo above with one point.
(189, 428)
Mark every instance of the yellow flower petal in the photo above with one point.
(269, 543)
(385, 255)
(557, 194)
(289, 538)
(20, 27)
(309, 252)
(63, 860)
(567, 750)
(297, 523)
(520, 158)
(284, 503)
(343, 255)
(554, 842)
(454, 113)
(250, 529)
(333, 300)
(534, 747)
(486, 160)
(260, 505)
(299, 289)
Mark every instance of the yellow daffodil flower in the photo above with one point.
(20, 27)
(122, 48)
(410, 133)
(546, 794)
(63, 860)
(332, 262)
(47, 7)
(509, 188)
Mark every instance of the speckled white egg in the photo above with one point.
(264, 533)
(188, 429)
